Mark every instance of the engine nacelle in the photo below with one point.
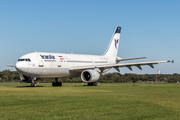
(25, 79)
(90, 76)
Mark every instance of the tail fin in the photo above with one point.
(113, 46)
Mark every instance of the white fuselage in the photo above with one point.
(51, 65)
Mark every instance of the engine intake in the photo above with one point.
(90, 76)
(25, 79)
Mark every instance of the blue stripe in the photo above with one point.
(118, 30)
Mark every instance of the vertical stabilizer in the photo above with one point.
(114, 43)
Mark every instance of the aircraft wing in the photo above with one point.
(117, 66)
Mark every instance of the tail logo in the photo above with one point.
(116, 41)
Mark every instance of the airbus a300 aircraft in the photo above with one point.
(88, 67)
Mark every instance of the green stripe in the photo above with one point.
(60, 56)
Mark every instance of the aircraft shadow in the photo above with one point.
(28, 86)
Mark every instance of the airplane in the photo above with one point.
(88, 67)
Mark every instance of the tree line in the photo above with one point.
(14, 76)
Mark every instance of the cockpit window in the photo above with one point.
(27, 59)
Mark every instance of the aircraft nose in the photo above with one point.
(21, 67)
(18, 66)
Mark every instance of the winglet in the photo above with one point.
(171, 61)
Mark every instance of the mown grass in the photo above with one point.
(105, 102)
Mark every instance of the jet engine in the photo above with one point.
(90, 76)
(25, 79)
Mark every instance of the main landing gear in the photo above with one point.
(92, 84)
(56, 83)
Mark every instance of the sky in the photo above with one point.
(150, 28)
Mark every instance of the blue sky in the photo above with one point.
(150, 28)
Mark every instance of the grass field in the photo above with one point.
(77, 102)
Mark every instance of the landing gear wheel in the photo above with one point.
(56, 84)
(59, 83)
(92, 84)
(33, 84)
(53, 84)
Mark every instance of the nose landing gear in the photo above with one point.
(33, 83)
